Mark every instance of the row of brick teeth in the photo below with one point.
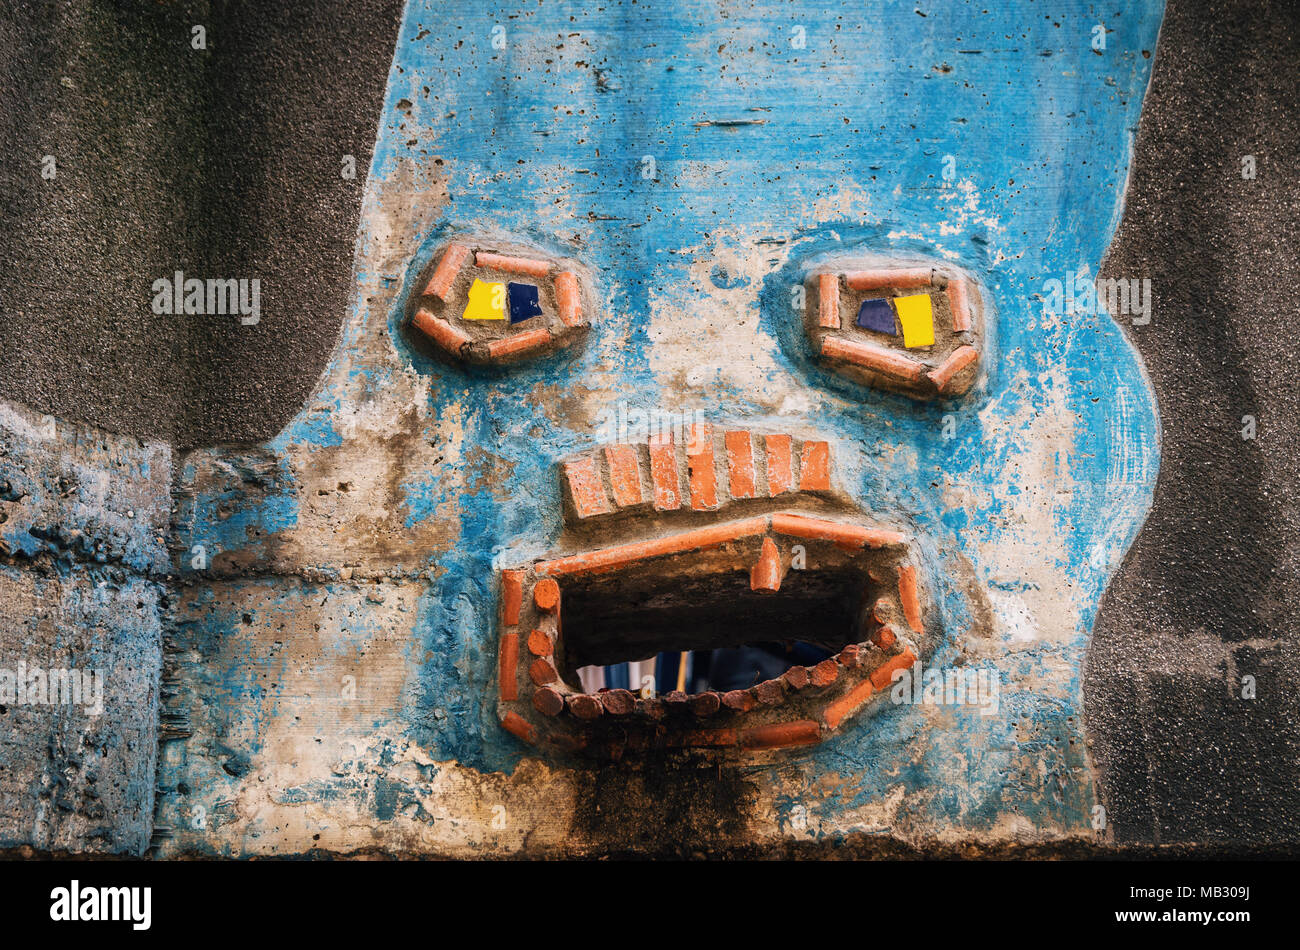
(655, 474)
(621, 703)
(550, 700)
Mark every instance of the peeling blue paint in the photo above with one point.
(535, 145)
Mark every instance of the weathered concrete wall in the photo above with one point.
(335, 649)
(268, 748)
(83, 520)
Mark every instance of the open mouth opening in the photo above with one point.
(731, 631)
(793, 623)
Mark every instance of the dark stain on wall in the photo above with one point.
(222, 163)
(1207, 595)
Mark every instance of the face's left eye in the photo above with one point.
(492, 304)
(916, 329)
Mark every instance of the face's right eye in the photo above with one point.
(492, 304)
(915, 329)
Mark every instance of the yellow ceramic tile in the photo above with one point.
(917, 317)
(487, 301)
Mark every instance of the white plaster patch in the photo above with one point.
(26, 424)
(1013, 618)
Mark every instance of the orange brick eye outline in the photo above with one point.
(529, 685)
(870, 362)
(452, 340)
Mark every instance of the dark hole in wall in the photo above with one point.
(616, 618)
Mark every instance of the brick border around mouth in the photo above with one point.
(849, 680)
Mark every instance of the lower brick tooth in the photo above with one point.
(548, 701)
(705, 704)
(617, 702)
(741, 700)
(542, 672)
(825, 673)
(769, 693)
(651, 708)
(796, 677)
(586, 707)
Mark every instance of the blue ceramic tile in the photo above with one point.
(523, 302)
(875, 314)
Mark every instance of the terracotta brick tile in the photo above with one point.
(586, 707)
(542, 672)
(519, 343)
(781, 734)
(703, 475)
(528, 266)
(800, 526)
(884, 638)
(548, 701)
(653, 709)
(516, 725)
(440, 331)
(959, 300)
(704, 704)
(815, 467)
(960, 358)
(836, 711)
(546, 594)
(507, 661)
(908, 278)
(539, 643)
(512, 596)
(796, 677)
(828, 301)
(780, 470)
(769, 692)
(907, 593)
(766, 573)
(824, 673)
(586, 487)
(453, 259)
(850, 657)
(741, 700)
(663, 473)
(617, 702)
(883, 675)
(624, 474)
(880, 610)
(568, 298)
(676, 700)
(874, 358)
(606, 559)
(740, 464)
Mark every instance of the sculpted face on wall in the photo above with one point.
(703, 545)
(882, 454)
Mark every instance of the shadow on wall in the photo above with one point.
(226, 162)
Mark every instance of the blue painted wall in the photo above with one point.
(836, 147)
